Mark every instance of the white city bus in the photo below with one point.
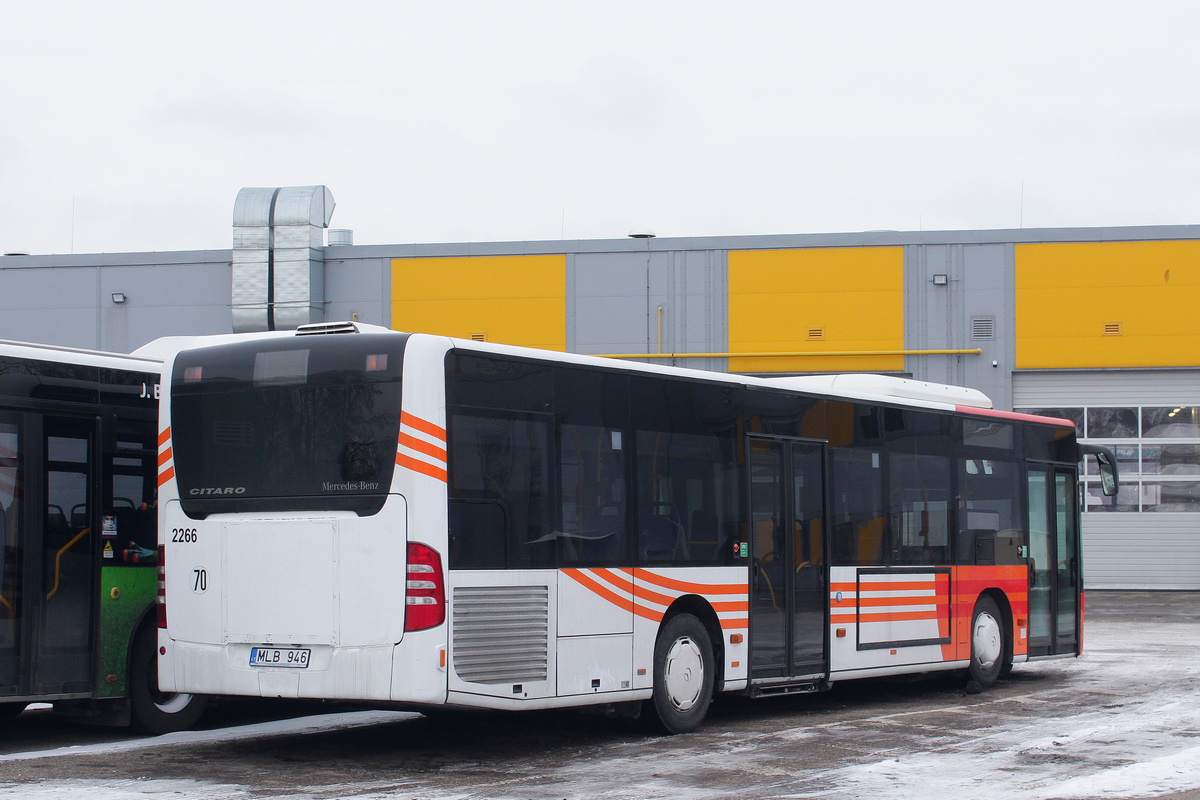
(348, 513)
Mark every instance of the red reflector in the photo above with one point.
(425, 592)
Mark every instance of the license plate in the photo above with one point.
(288, 657)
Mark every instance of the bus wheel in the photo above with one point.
(9, 711)
(152, 711)
(987, 643)
(683, 674)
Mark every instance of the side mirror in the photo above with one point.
(1107, 462)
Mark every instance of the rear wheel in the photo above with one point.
(683, 674)
(988, 644)
(153, 711)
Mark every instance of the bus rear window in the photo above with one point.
(288, 424)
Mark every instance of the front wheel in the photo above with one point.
(684, 670)
(988, 645)
(152, 711)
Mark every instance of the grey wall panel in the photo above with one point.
(613, 302)
(938, 317)
(52, 288)
(358, 286)
(127, 328)
(609, 304)
(1106, 387)
(1141, 551)
(69, 327)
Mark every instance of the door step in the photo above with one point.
(773, 687)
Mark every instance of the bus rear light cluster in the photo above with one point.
(162, 587)
(425, 589)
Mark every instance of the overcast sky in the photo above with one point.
(130, 126)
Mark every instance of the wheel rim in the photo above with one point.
(167, 702)
(684, 673)
(170, 703)
(986, 641)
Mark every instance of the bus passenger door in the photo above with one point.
(64, 631)
(1054, 578)
(789, 596)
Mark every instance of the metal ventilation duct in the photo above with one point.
(278, 260)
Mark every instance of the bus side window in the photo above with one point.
(919, 506)
(990, 528)
(501, 491)
(858, 512)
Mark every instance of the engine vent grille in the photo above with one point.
(501, 633)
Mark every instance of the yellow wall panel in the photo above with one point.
(1067, 293)
(855, 294)
(517, 300)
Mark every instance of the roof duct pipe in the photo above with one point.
(278, 259)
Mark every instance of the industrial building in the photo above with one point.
(1094, 324)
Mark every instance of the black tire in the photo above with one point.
(9, 711)
(684, 670)
(989, 644)
(152, 711)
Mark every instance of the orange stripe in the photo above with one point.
(883, 602)
(642, 593)
(166, 475)
(842, 587)
(623, 603)
(899, 616)
(164, 437)
(421, 467)
(422, 426)
(901, 586)
(616, 580)
(735, 605)
(164, 456)
(728, 624)
(422, 446)
(684, 586)
(650, 614)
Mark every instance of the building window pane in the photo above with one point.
(1127, 460)
(1112, 423)
(1171, 496)
(1126, 499)
(1170, 459)
(1171, 422)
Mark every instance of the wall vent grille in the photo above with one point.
(501, 633)
(815, 334)
(1112, 329)
(983, 327)
(478, 337)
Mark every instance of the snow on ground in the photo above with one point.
(1125, 724)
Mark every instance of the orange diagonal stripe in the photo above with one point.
(422, 426)
(684, 586)
(623, 603)
(420, 466)
(164, 437)
(164, 456)
(422, 446)
(166, 475)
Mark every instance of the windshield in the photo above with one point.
(307, 423)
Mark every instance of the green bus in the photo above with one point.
(78, 528)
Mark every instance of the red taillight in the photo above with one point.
(425, 592)
(162, 587)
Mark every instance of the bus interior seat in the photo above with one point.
(659, 537)
(79, 515)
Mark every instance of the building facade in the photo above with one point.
(1094, 324)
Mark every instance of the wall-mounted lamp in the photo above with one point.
(118, 297)
(941, 279)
